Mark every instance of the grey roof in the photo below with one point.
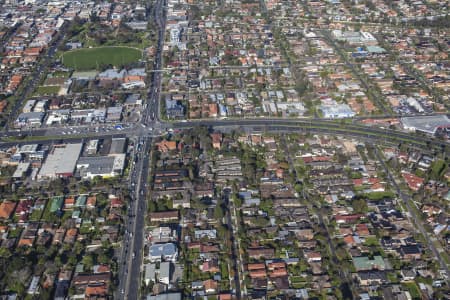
(137, 72)
(29, 148)
(114, 109)
(133, 98)
(139, 25)
(31, 116)
(150, 270)
(427, 124)
(62, 160)
(209, 233)
(171, 296)
(114, 113)
(117, 146)
(96, 165)
(164, 270)
(372, 275)
(167, 249)
(113, 74)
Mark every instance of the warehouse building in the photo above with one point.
(337, 111)
(61, 161)
(103, 166)
(117, 146)
(426, 124)
(166, 252)
(164, 272)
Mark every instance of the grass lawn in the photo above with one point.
(36, 215)
(371, 241)
(413, 290)
(47, 90)
(392, 276)
(299, 285)
(95, 58)
(380, 195)
(438, 167)
(14, 233)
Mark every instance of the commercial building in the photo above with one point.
(104, 166)
(426, 124)
(61, 161)
(149, 274)
(31, 119)
(337, 111)
(164, 272)
(355, 37)
(167, 252)
(22, 168)
(114, 113)
(117, 146)
(28, 107)
(92, 147)
(170, 296)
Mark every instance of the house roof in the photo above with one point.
(414, 182)
(6, 209)
(256, 266)
(167, 145)
(210, 284)
(96, 290)
(172, 214)
(91, 201)
(56, 204)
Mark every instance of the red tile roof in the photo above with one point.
(414, 182)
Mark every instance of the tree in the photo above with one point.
(359, 205)
(88, 261)
(72, 259)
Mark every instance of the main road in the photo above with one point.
(317, 125)
(130, 273)
(131, 266)
(157, 128)
(152, 112)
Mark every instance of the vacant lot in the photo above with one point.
(97, 58)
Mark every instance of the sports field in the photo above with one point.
(96, 58)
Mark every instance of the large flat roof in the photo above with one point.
(117, 146)
(170, 296)
(163, 249)
(427, 124)
(97, 164)
(61, 161)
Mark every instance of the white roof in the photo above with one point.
(427, 124)
(62, 160)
